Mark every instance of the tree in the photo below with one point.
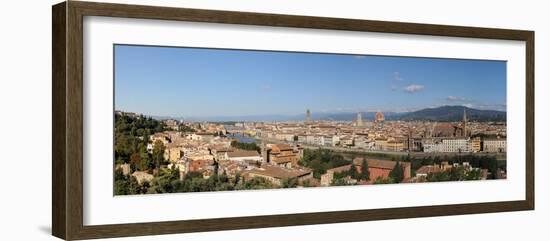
(120, 187)
(493, 167)
(365, 174)
(128, 185)
(306, 183)
(185, 128)
(320, 160)
(144, 187)
(353, 172)
(289, 182)
(131, 133)
(246, 146)
(340, 182)
(438, 177)
(237, 179)
(158, 153)
(255, 183)
(473, 175)
(135, 160)
(397, 173)
(381, 180)
(167, 180)
(119, 174)
(145, 163)
(456, 174)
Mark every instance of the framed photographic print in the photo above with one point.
(171, 120)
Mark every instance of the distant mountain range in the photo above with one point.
(454, 113)
(442, 113)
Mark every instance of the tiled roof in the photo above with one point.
(242, 153)
(278, 172)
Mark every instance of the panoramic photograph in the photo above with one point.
(204, 120)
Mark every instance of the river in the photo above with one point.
(243, 138)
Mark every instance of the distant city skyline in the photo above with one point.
(195, 82)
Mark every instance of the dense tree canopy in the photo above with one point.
(381, 180)
(168, 181)
(131, 139)
(126, 184)
(186, 128)
(158, 153)
(246, 146)
(455, 174)
(320, 160)
(289, 182)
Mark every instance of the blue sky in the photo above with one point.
(194, 82)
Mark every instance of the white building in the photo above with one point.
(494, 145)
(318, 140)
(327, 141)
(335, 140)
(347, 141)
(431, 146)
(310, 139)
(456, 145)
(364, 143)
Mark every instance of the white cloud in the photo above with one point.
(455, 98)
(359, 56)
(500, 107)
(413, 88)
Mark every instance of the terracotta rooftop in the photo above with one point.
(374, 163)
(279, 172)
(340, 169)
(281, 147)
(279, 161)
(242, 153)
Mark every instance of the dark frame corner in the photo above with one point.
(67, 121)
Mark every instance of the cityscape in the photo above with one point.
(184, 123)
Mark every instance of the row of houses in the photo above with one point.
(398, 144)
(465, 144)
(275, 163)
(281, 164)
(356, 141)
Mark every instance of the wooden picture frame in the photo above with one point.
(67, 122)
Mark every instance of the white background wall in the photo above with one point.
(25, 120)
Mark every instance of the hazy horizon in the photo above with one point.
(367, 115)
